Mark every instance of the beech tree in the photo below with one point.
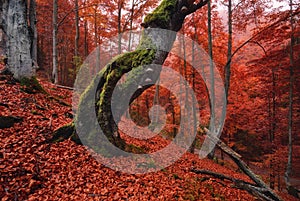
(169, 15)
(20, 35)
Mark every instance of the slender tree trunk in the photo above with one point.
(33, 20)
(186, 126)
(193, 146)
(131, 24)
(290, 188)
(229, 50)
(272, 133)
(96, 42)
(86, 31)
(54, 44)
(212, 77)
(86, 46)
(120, 7)
(77, 35)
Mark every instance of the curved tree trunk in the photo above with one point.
(153, 49)
(15, 26)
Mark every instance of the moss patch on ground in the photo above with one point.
(31, 86)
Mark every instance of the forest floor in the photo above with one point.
(31, 169)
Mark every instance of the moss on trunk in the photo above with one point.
(152, 49)
(65, 132)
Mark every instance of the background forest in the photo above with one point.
(255, 45)
(257, 118)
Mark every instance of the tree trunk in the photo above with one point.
(291, 189)
(153, 49)
(54, 44)
(76, 28)
(86, 46)
(18, 44)
(96, 41)
(212, 76)
(33, 30)
(229, 49)
(193, 146)
(120, 6)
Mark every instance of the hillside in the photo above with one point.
(31, 169)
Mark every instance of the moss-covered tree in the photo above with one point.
(153, 48)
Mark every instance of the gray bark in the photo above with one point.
(14, 23)
(54, 44)
(33, 30)
(120, 7)
(77, 28)
(290, 188)
(154, 53)
(212, 75)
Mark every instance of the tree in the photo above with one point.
(15, 25)
(271, 69)
(169, 15)
(288, 171)
(77, 28)
(33, 29)
(229, 49)
(54, 43)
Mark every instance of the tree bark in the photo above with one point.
(169, 15)
(291, 189)
(33, 30)
(229, 50)
(54, 44)
(18, 44)
(251, 188)
(76, 28)
(212, 75)
(120, 7)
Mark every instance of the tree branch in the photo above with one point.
(197, 6)
(243, 166)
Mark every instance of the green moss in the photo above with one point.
(121, 65)
(176, 176)
(31, 85)
(161, 16)
(65, 132)
(134, 149)
(106, 81)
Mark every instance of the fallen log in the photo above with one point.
(238, 183)
(260, 188)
